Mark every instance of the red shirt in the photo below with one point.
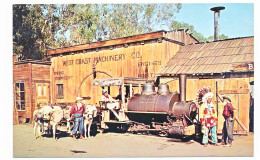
(75, 110)
(228, 110)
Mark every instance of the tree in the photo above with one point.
(131, 19)
(95, 22)
(33, 30)
(38, 28)
(177, 25)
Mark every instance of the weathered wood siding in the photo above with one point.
(140, 61)
(237, 88)
(31, 74)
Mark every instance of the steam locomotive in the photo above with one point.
(163, 112)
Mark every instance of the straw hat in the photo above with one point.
(226, 97)
(79, 99)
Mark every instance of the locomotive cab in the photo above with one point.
(116, 119)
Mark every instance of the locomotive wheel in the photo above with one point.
(163, 134)
(186, 138)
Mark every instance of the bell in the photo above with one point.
(148, 89)
(163, 89)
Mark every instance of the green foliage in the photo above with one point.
(33, 30)
(177, 25)
(37, 28)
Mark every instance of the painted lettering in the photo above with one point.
(136, 55)
(67, 63)
(59, 73)
(250, 66)
(152, 63)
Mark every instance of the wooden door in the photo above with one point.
(42, 94)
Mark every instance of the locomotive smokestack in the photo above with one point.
(216, 10)
(182, 85)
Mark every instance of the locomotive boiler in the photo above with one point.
(161, 112)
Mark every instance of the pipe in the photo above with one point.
(182, 86)
(216, 10)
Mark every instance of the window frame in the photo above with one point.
(59, 93)
(19, 100)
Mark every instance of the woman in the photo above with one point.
(77, 110)
(208, 118)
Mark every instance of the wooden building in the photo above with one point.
(31, 82)
(74, 68)
(226, 66)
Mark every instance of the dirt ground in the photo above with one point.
(120, 145)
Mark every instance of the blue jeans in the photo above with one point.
(78, 124)
(214, 138)
(227, 131)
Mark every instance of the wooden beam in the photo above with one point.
(31, 92)
(125, 40)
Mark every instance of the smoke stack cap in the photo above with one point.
(217, 8)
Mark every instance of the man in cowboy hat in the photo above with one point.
(77, 111)
(228, 125)
(110, 102)
(208, 118)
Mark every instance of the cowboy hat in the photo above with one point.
(226, 97)
(207, 96)
(104, 91)
(79, 99)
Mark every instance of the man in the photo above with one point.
(228, 125)
(111, 102)
(208, 118)
(77, 110)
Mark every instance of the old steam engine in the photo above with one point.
(163, 112)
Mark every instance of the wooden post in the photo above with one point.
(131, 90)
(31, 92)
(217, 96)
(123, 96)
(139, 89)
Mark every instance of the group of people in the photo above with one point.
(209, 119)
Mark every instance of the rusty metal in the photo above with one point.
(216, 10)
(148, 89)
(153, 103)
(184, 108)
(182, 85)
(176, 130)
(163, 89)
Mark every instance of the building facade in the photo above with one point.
(226, 66)
(31, 87)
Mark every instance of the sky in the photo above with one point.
(237, 20)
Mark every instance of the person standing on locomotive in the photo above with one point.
(208, 118)
(111, 102)
(77, 111)
(228, 125)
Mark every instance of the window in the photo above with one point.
(60, 91)
(39, 91)
(42, 90)
(19, 96)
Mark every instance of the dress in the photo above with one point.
(209, 117)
